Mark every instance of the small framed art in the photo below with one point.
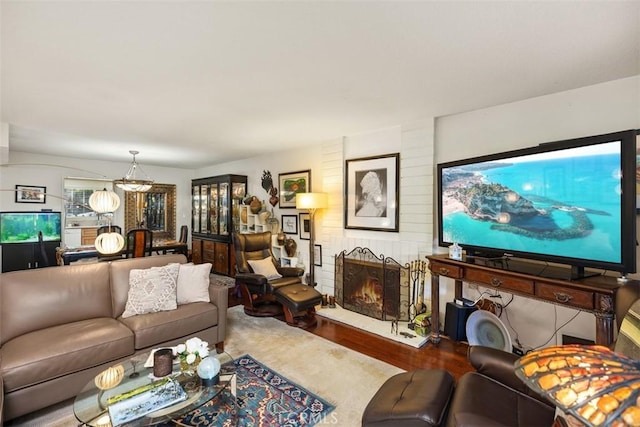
(305, 226)
(289, 224)
(292, 183)
(30, 194)
(317, 255)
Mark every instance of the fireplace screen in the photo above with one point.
(377, 287)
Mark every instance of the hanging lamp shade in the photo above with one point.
(104, 201)
(109, 243)
(131, 181)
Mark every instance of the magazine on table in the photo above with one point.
(137, 404)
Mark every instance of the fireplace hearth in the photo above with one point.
(374, 286)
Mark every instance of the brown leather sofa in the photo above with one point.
(60, 326)
(490, 396)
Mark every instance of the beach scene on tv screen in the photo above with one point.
(566, 203)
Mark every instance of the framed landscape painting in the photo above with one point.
(372, 188)
(292, 183)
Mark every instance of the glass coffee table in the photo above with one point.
(91, 406)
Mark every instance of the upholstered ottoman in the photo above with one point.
(414, 398)
(299, 299)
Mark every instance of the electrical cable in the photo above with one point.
(555, 332)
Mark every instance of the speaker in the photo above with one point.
(455, 321)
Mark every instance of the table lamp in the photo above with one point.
(591, 383)
(311, 202)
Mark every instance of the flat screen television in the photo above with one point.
(23, 227)
(569, 202)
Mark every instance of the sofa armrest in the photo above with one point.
(219, 296)
(291, 271)
(496, 364)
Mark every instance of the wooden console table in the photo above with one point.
(536, 281)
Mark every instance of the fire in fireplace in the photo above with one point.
(374, 286)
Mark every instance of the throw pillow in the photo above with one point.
(193, 283)
(264, 267)
(152, 290)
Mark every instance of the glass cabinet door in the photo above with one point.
(223, 206)
(239, 190)
(204, 211)
(214, 200)
(195, 209)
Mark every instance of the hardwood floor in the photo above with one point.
(448, 355)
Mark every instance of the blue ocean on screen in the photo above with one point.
(576, 203)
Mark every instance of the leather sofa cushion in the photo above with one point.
(57, 295)
(482, 401)
(155, 328)
(60, 350)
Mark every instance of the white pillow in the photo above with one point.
(264, 267)
(152, 290)
(193, 283)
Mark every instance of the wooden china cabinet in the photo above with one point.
(215, 215)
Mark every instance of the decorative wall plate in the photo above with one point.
(485, 328)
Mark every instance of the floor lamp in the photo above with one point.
(311, 202)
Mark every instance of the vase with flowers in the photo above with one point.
(191, 353)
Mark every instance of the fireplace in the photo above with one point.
(374, 286)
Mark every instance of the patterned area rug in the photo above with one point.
(265, 398)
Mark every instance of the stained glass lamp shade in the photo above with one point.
(594, 384)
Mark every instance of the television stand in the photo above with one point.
(591, 294)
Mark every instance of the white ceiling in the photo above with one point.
(191, 83)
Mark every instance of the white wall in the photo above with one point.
(598, 109)
(414, 142)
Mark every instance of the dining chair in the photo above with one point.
(43, 258)
(139, 242)
(109, 229)
(184, 234)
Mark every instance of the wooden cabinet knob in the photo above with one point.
(496, 282)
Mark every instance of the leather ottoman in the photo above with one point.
(414, 398)
(297, 299)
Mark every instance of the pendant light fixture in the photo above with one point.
(106, 202)
(131, 182)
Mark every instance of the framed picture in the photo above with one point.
(372, 188)
(317, 255)
(289, 224)
(305, 226)
(292, 183)
(30, 194)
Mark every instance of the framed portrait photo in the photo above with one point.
(372, 193)
(289, 224)
(292, 183)
(305, 226)
(30, 194)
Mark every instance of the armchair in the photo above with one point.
(268, 289)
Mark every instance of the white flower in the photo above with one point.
(193, 344)
(204, 351)
(191, 357)
(180, 348)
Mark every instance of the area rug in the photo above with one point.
(264, 398)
